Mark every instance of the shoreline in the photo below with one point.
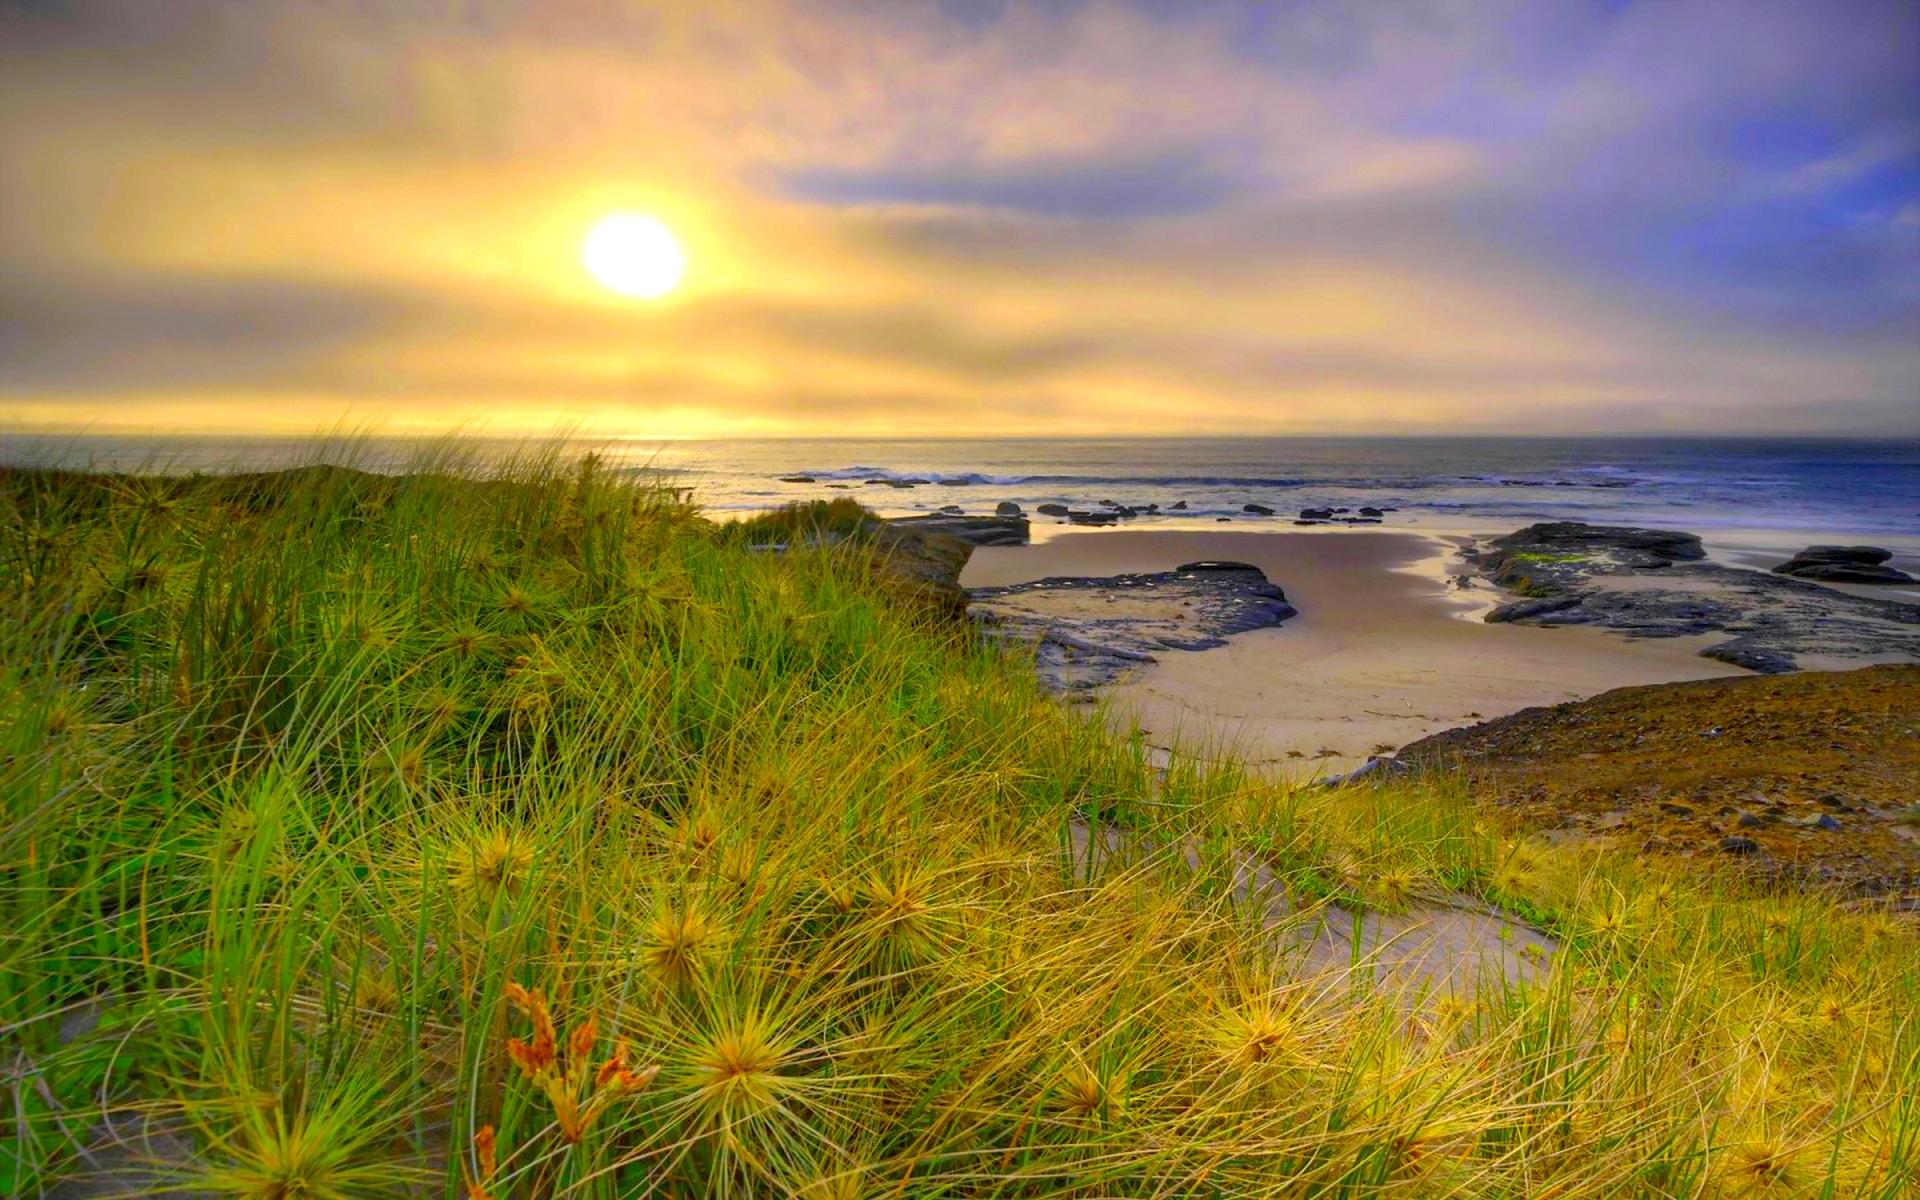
(1385, 650)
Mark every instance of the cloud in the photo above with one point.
(1023, 217)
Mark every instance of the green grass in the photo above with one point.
(515, 828)
(1547, 556)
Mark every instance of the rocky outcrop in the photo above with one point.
(1007, 508)
(974, 531)
(1843, 564)
(1085, 632)
(1258, 510)
(1656, 583)
(1809, 775)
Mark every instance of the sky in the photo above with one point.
(965, 219)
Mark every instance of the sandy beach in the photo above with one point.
(1383, 652)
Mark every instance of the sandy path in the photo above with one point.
(1381, 654)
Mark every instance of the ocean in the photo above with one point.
(1826, 487)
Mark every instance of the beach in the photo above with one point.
(1385, 648)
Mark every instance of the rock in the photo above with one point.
(1843, 564)
(1177, 506)
(1123, 620)
(797, 479)
(1223, 518)
(1739, 845)
(1370, 511)
(1076, 517)
(1820, 821)
(974, 531)
(1654, 583)
(1871, 556)
(1676, 810)
(1260, 510)
(952, 510)
(1316, 514)
(1625, 545)
(1007, 508)
(1747, 820)
(1052, 510)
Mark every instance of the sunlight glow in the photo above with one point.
(634, 254)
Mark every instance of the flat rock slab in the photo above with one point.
(1656, 583)
(1011, 530)
(1087, 631)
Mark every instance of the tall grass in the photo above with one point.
(513, 832)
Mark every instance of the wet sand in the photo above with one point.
(1384, 651)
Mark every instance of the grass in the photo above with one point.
(510, 831)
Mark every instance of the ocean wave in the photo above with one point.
(1367, 483)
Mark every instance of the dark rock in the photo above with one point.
(1676, 810)
(1007, 508)
(1532, 610)
(1223, 518)
(1091, 646)
(1316, 514)
(1843, 564)
(1747, 820)
(1177, 506)
(797, 479)
(1260, 510)
(1051, 510)
(1624, 545)
(1821, 821)
(1871, 556)
(1753, 658)
(1370, 511)
(974, 531)
(1076, 517)
(952, 510)
(1654, 583)
(1739, 845)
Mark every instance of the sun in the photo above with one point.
(634, 254)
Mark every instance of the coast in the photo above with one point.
(1384, 650)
